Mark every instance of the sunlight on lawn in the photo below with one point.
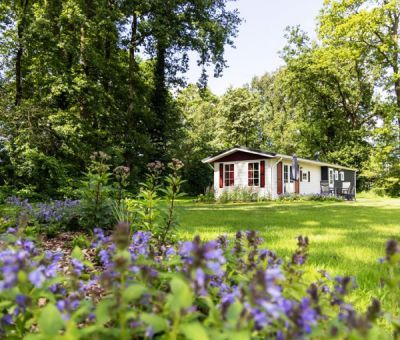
(347, 238)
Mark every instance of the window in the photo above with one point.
(305, 176)
(285, 174)
(254, 174)
(330, 177)
(342, 176)
(229, 175)
(336, 175)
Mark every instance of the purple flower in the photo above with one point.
(11, 230)
(149, 332)
(140, 244)
(60, 305)
(200, 277)
(36, 277)
(170, 252)
(77, 267)
(21, 300)
(186, 249)
(260, 318)
(104, 257)
(27, 245)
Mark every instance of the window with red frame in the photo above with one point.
(229, 175)
(253, 174)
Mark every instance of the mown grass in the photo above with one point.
(347, 238)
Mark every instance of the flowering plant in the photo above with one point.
(223, 289)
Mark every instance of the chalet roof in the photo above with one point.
(268, 154)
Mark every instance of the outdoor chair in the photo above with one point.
(344, 191)
(351, 193)
(325, 190)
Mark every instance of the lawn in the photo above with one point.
(347, 238)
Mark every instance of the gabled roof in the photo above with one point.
(230, 151)
(267, 154)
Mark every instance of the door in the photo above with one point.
(288, 184)
(331, 178)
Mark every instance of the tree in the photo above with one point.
(73, 81)
(200, 136)
(279, 118)
(240, 118)
(333, 93)
(372, 29)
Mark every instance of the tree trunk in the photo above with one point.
(132, 63)
(160, 99)
(395, 66)
(20, 51)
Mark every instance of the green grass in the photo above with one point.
(347, 238)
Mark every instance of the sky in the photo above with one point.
(261, 37)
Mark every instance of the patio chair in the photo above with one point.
(344, 191)
(351, 193)
(325, 190)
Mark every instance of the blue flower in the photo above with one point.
(186, 249)
(77, 267)
(36, 277)
(170, 252)
(104, 257)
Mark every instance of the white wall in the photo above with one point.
(241, 178)
(312, 187)
(270, 190)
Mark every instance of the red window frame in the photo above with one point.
(253, 174)
(229, 175)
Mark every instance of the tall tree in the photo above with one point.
(370, 29)
(100, 78)
(200, 135)
(240, 113)
(279, 117)
(333, 93)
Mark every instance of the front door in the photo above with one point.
(288, 184)
(331, 178)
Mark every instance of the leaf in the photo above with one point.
(194, 331)
(233, 313)
(156, 322)
(77, 253)
(31, 336)
(133, 292)
(239, 335)
(182, 297)
(50, 321)
(103, 311)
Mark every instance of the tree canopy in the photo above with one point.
(82, 76)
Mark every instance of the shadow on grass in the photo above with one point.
(346, 238)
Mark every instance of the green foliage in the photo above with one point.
(125, 211)
(72, 81)
(148, 198)
(312, 197)
(96, 192)
(80, 241)
(238, 194)
(175, 293)
(167, 229)
(240, 118)
(207, 197)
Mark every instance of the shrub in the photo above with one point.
(80, 241)
(223, 289)
(292, 197)
(49, 218)
(207, 197)
(238, 194)
(96, 193)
